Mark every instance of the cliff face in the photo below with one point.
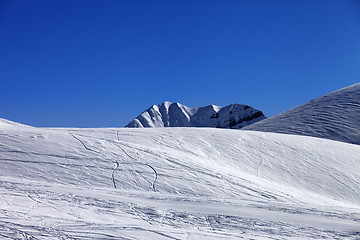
(169, 114)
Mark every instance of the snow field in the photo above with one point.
(176, 183)
(334, 116)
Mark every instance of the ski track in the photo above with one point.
(112, 174)
(82, 143)
(155, 177)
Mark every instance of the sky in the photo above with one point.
(101, 63)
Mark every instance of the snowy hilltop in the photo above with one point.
(169, 114)
(334, 116)
(7, 123)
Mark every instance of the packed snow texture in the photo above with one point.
(7, 123)
(169, 114)
(333, 116)
(176, 183)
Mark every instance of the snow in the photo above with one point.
(176, 183)
(170, 114)
(334, 116)
(7, 123)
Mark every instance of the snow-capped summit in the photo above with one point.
(169, 114)
(334, 116)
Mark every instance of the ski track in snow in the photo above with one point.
(112, 174)
(155, 178)
(176, 184)
(81, 142)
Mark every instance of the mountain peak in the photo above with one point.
(168, 114)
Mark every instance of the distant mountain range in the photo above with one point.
(334, 116)
(169, 114)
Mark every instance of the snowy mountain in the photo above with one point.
(333, 116)
(176, 183)
(169, 114)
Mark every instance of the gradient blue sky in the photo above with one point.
(101, 63)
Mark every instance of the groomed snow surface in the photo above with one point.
(333, 116)
(176, 183)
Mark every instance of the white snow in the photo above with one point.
(7, 123)
(176, 183)
(333, 116)
(170, 114)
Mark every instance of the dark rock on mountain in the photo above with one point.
(169, 114)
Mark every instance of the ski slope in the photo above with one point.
(333, 116)
(175, 183)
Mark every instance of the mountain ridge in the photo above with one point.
(168, 114)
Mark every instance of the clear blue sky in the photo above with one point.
(101, 63)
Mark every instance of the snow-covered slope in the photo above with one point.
(169, 114)
(333, 116)
(176, 183)
(7, 123)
